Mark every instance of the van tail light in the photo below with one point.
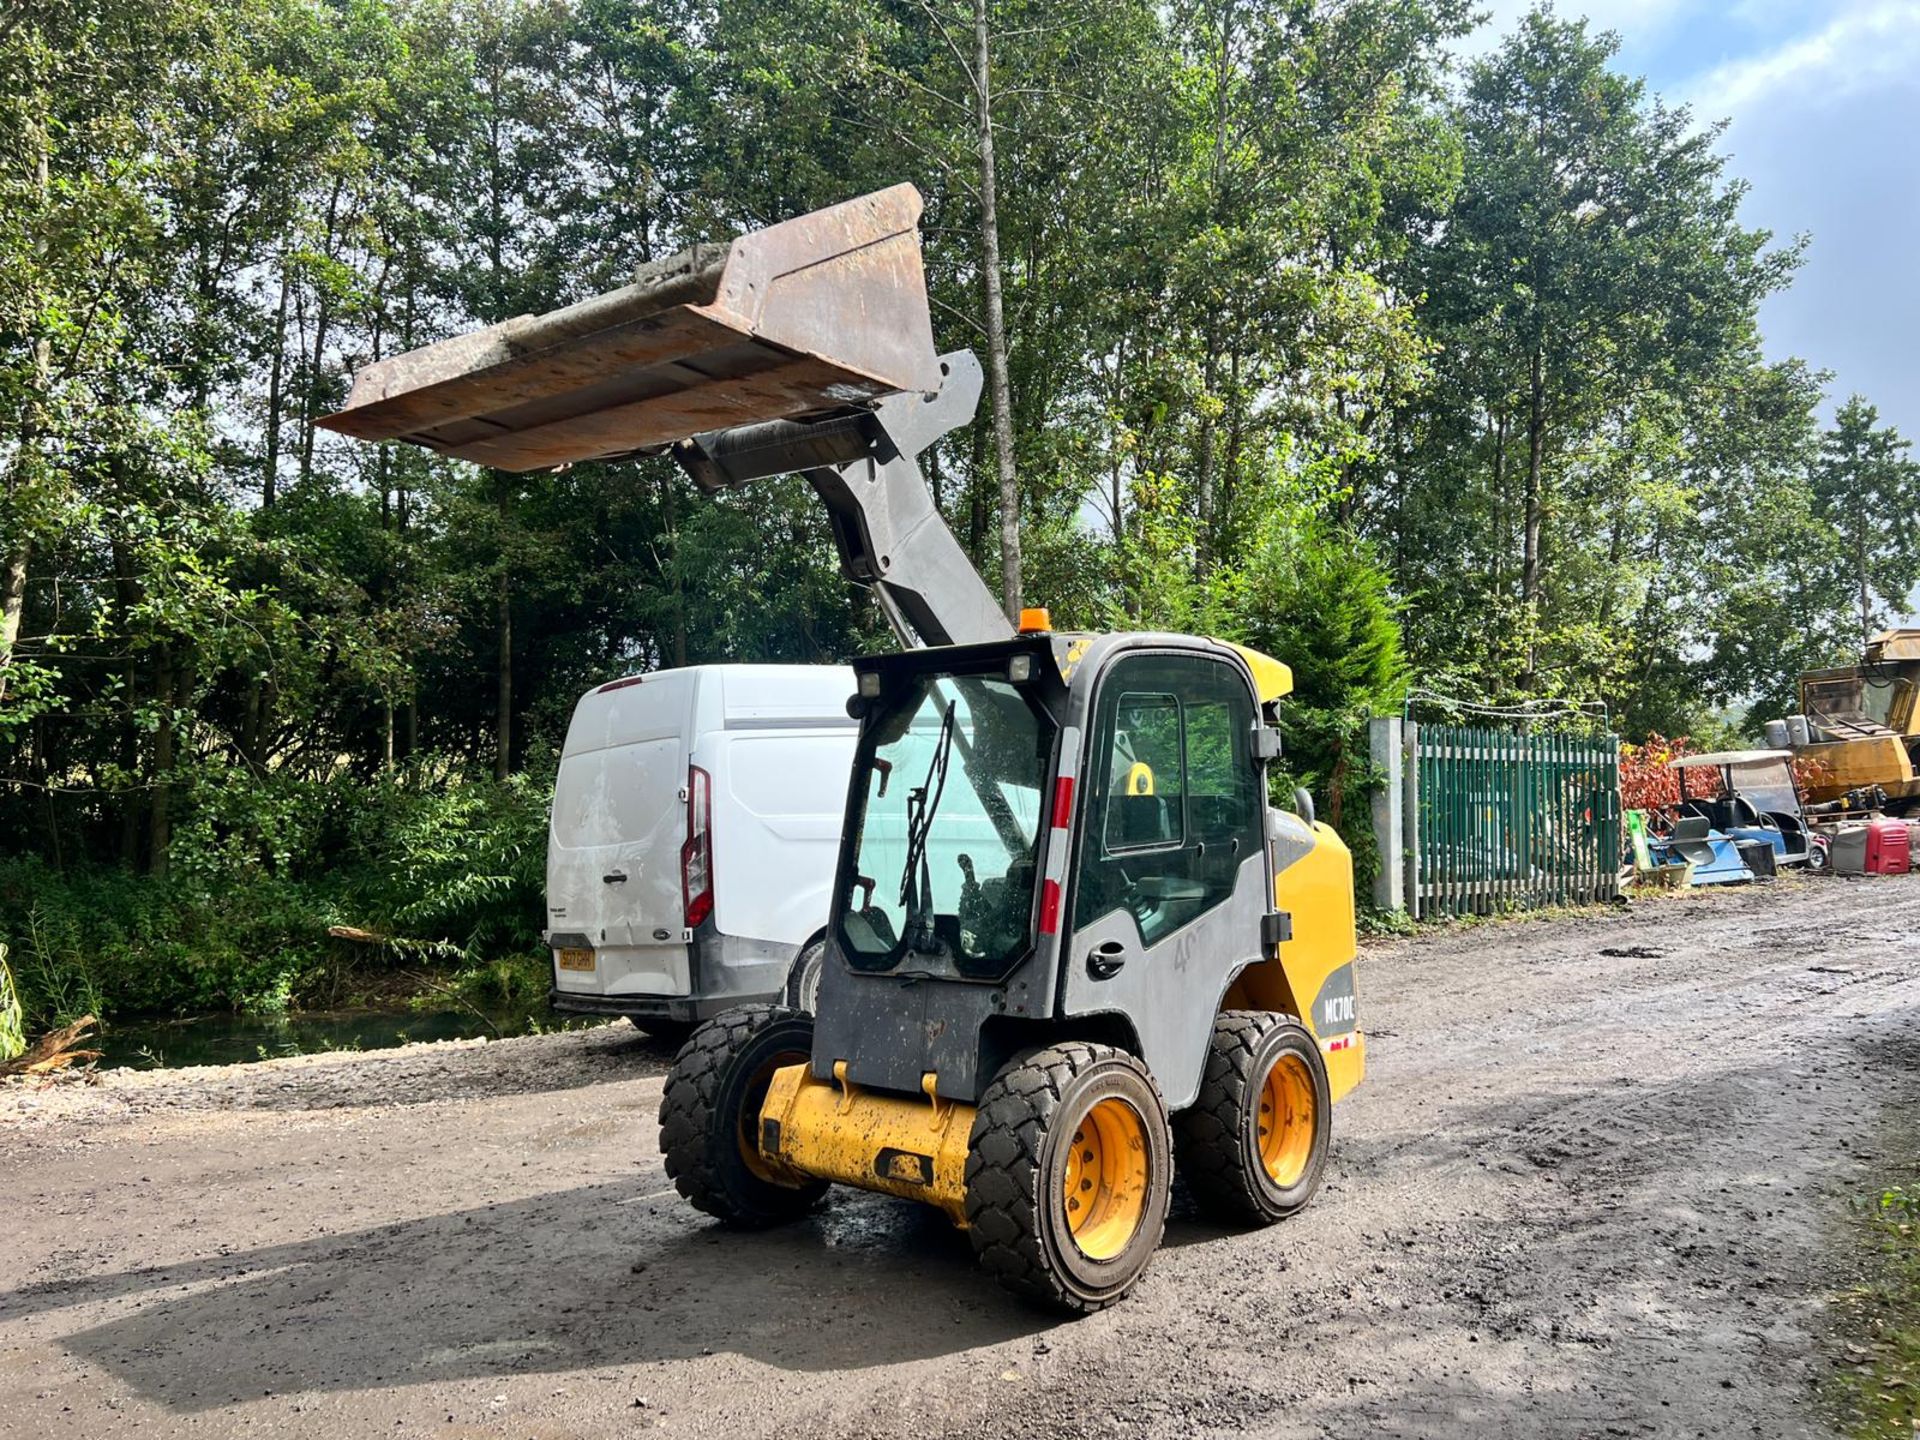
(696, 853)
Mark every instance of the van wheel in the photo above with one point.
(803, 980)
(710, 1117)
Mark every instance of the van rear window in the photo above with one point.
(619, 795)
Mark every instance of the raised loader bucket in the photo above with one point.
(821, 314)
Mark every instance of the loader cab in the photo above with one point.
(939, 876)
(1054, 833)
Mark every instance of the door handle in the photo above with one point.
(1105, 959)
(614, 877)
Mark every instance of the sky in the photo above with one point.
(1823, 111)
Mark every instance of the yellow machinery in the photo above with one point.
(1072, 945)
(1861, 724)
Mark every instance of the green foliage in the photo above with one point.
(13, 1038)
(456, 863)
(1868, 490)
(1318, 598)
(1305, 347)
(1873, 1387)
(448, 865)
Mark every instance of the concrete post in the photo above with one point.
(1384, 748)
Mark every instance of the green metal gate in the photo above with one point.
(1505, 821)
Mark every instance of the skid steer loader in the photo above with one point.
(1072, 944)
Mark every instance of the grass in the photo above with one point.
(1876, 1385)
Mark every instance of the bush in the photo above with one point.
(445, 865)
(13, 1037)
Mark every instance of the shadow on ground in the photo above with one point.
(604, 1275)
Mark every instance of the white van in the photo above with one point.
(695, 829)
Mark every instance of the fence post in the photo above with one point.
(1410, 820)
(1389, 813)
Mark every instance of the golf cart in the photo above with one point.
(1746, 796)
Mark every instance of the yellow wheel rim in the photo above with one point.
(1286, 1121)
(1105, 1191)
(747, 1131)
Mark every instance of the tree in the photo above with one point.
(1592, 267)
(1866, 488)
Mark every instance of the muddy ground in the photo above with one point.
(1591, 1187)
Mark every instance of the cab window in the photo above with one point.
(1173, 810)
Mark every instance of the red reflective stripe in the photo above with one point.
(1063, 802)
(1049, 907)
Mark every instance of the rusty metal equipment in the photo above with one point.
(1860, 725)
(819, 315)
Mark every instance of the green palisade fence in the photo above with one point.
(1505, 821)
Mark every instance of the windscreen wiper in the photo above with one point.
(922, 801)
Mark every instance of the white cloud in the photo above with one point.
(1862, 49)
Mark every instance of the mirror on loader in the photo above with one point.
(980, 1046)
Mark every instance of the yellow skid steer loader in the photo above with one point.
(1072, 944)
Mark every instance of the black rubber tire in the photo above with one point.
(1016, 1165)
(711, 1112)
(1217, 1137)
(803, 978)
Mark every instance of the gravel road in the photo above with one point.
(1592, 1186)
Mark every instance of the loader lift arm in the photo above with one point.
(803, 348)
(865, 469)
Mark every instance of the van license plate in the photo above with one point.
(576, 959)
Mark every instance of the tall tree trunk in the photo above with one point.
(159, 816)
(1010, 582)
(322, 322)
(1203, 467)
(1210, 369)
(670, 526)
(503, 694)
(977, 503)
(129, 771)
(13, 605)
(1498, 548)
(1866, 594)
(270, 477)
(13, 564)
(1535, 509)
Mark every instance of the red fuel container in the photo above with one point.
(1888, 851)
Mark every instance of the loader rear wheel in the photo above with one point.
(1253, 1144)
(710, 1117)
(1068, 1172)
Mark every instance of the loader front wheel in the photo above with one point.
(1253, 1144)
(710, 1117)
(1068, 1173)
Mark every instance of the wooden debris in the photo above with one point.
(55, 1050)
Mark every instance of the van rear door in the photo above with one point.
(613, 851)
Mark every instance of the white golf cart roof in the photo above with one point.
(1729, 757)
